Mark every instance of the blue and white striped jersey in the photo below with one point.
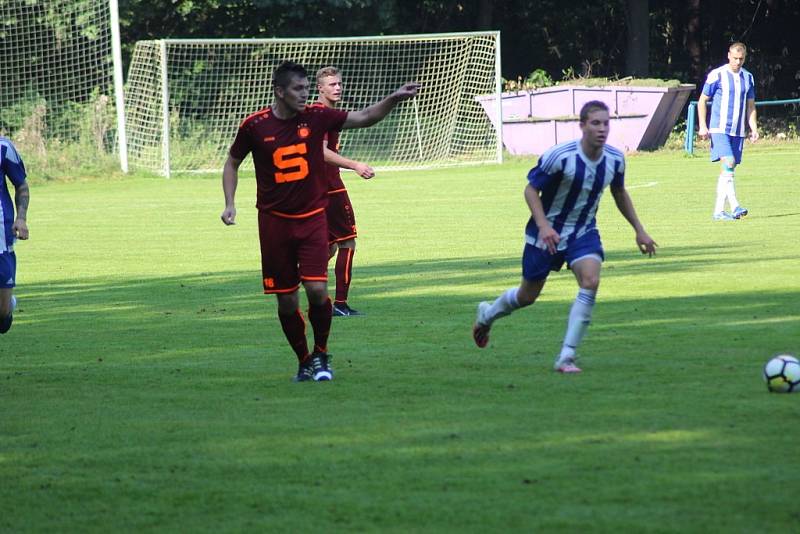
(11, 167)
(729, 94)
(570, 186)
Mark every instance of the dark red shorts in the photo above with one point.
(292, 250)
(341, 219)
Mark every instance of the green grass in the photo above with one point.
(146, 386)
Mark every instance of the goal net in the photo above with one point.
(186, 98)
(57, 75)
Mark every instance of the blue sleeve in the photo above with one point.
(13, 167)
(619, 174)
(545, 170)
(712, 82)
(538, 178)
(751, 93)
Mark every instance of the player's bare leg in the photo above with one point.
(7, 305)
(512, 299)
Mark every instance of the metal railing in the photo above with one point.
(691, 118)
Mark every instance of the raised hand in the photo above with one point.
(406, 91)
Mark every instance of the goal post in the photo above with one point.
(185, 98)
(61, 75)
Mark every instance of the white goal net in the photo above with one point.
(186, 98)
(57, 70)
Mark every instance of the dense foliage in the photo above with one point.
(685, 38)
(543, 41)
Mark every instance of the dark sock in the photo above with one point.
(294, 327)
(344, 271)
(320, 317)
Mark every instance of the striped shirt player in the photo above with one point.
(571, 186)
(286, 142)
(563, 194)
(731, 91)
(12, 169)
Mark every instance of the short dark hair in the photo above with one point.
(287, 70)
(738, 46)
(589, 107)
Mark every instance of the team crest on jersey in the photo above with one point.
(303, 130)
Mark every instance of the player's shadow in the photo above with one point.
(432, 301)
(778, 215)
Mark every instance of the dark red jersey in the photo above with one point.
(335, 183)
(288, 158)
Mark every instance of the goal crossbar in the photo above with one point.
(186, 97)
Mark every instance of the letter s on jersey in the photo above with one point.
(290, 159)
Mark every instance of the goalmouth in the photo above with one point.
(185, 98)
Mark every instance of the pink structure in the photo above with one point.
(641, 117)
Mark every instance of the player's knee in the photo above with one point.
(728, 164)
(317, 293)
(347, 244)
(589, 281)
(288, 303)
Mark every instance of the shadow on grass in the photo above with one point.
(151, 395)
(780, 215)
(432, 301)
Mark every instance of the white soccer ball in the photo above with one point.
(782, 374)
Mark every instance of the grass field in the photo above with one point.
(146, 385)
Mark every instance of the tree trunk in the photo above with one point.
(638, 51)
(485, 14)
(693, 43)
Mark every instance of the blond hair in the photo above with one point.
(324, 72)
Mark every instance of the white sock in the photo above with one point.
(730, 190)
(722, 191)
(504, 305)
(580, 315)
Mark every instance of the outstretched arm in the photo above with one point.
(362, 169)
(230, 179)
(374, 113)
(625, 206)
(22, 197)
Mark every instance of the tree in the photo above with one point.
(693, 40)
(602, 38)
(637, 57)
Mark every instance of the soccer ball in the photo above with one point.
(782, 374)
